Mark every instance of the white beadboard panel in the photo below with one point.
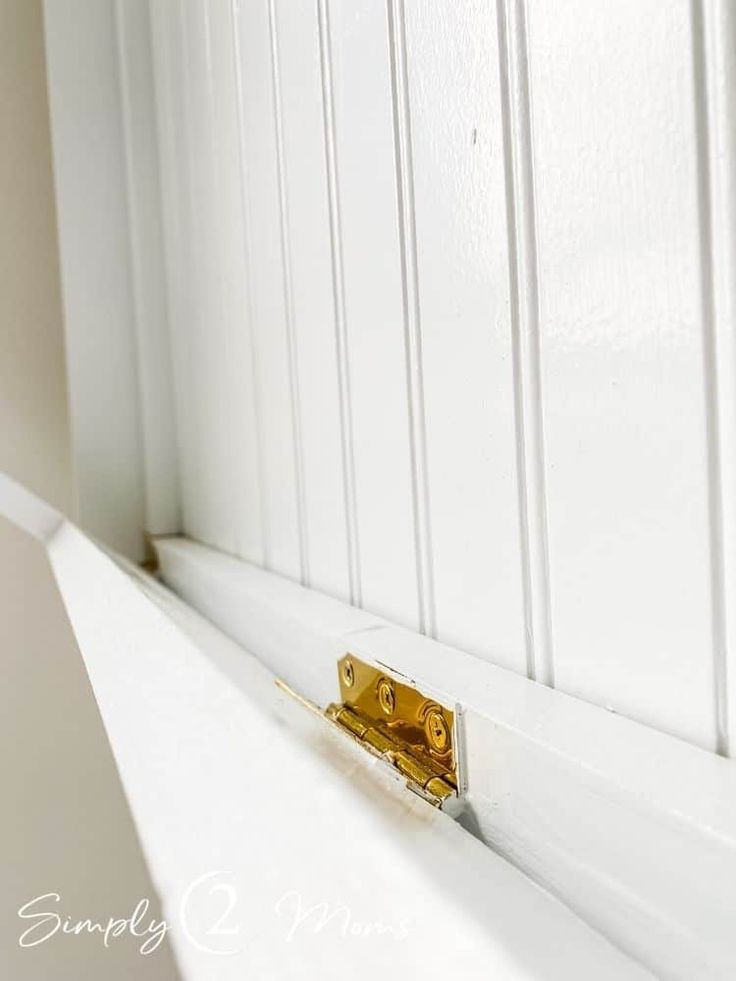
(282, 535)
(148, 271)
(211, 519)
(231, 269)
(463, 292)
(366, 182)
(450, 293)
(622, 334)
(237, 428)
(297, 41)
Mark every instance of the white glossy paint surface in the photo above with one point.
(367, 196)
(306, 201)
(462, 278)
(623, 376)
(482, 328)
(450, 290)
(271, 304)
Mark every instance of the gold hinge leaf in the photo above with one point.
(410, 731)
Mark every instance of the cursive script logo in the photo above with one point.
(223, 926)
(47, 922)
(321, 915)
(208, 918)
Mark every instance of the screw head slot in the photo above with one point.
(386, 696)
(438, 733)
(348, 673)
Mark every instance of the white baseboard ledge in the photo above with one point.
(632, 828)
(278, 848)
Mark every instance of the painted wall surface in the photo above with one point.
(450, 290)
(35, 442)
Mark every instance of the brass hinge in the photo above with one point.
(411, 732)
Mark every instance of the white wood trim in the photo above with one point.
(634, 829)
(216, 762)
(88, 142)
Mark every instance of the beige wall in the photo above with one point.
(64, 822)
(35, 443)
(65, 826)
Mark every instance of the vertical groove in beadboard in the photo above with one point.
(225, 392)
(718, 348)
(338, 291)
(289, 301)
(412, 317)
(144, 436)
(524, 293)
(161, 36)
(190, 241)
(249, 314)
(513, 267)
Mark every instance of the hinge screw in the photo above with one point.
(386, 696)
(348, 673)
(437, 732)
